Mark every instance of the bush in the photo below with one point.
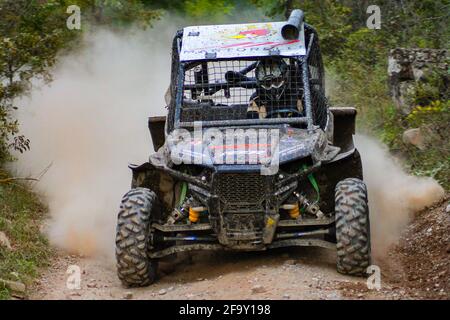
(434, 122)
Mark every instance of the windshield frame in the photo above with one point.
(307, 119)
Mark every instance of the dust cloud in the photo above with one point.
(394, 196)
(92, 121)
(89, 124)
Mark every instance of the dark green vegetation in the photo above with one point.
(21, 215)
(33, 34)
(357, 60)
(28, 46)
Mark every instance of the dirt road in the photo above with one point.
(417, 268)
(298, 273)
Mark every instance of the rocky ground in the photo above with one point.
(417, 268)
(424, 253)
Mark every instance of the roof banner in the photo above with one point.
(239, 41)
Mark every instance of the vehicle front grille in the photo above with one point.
(241, 192)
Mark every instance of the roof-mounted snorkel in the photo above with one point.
(291, 30)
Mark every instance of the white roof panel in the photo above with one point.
(238, 41)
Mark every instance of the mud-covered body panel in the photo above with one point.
(243, 146)
(240, 202)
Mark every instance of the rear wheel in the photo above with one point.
(134, 268)
(352, 227)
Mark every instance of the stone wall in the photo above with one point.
(409, 66)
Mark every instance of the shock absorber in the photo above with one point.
(293, 210)
(194, 213)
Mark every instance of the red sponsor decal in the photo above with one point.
(255, 33)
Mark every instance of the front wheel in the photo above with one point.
(352, 227)
(134, 268)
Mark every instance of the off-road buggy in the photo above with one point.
(221, 180)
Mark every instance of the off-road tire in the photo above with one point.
(352, 227)
(134, 268)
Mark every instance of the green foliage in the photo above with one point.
(208, 11)
(342, 24)
(117, 13)
(379, 116)
(361, 68)
(274, 8)
(21, 216)
(32, 33)
(215, 10)
(331, 19)
(434, 113)
(433, 87)
(356, 60)
(434, 160)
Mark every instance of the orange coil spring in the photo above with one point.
(193, 215)
(295, 212)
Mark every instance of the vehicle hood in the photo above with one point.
(249, 146)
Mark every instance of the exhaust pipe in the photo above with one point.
(291, 30)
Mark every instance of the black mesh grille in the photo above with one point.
(208, 112)
(316, 79)
(241, 192)
(320, 108)
(213, 72)
(207, 95)
(210, 93)
(174, 80)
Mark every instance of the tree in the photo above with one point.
(206, 10)
(329, 17)
(118, 13)
(32, 34)
(412, 23)
(274, 8)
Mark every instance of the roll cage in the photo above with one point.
(181, 115)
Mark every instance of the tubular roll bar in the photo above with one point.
(246, 84)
